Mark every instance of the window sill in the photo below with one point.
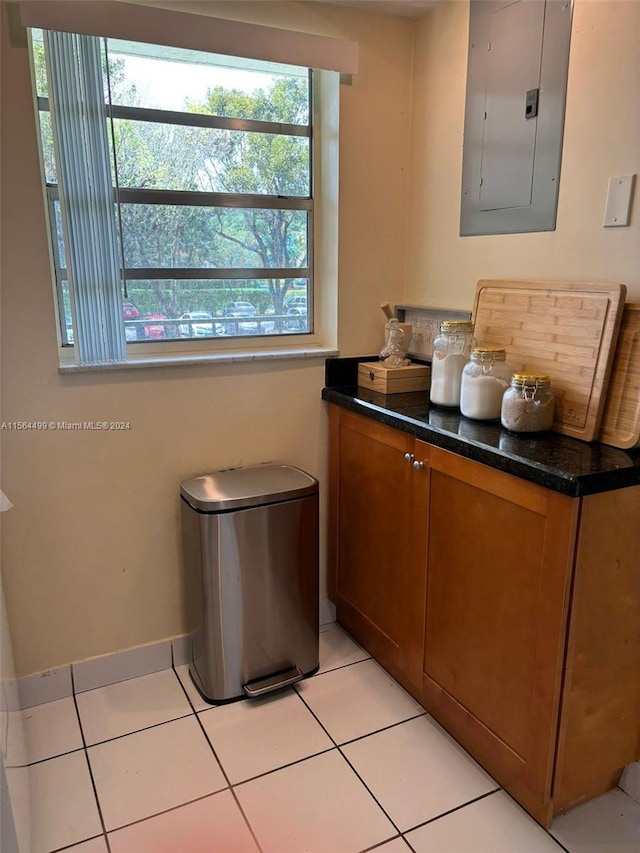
(208, 358)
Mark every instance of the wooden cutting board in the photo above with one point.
(621, 419)
(566, 329)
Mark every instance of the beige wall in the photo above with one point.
(91, 555)
(91, 552)
(602, 139)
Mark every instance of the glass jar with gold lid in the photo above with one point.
(485, 378)
(451, 349)
(528, 404)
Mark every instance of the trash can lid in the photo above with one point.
(247, 487)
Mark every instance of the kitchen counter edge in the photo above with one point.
(609, 468)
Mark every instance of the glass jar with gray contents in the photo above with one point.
(528, 404)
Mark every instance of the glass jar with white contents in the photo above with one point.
(451, 349)
(485, 378)
(528, 404)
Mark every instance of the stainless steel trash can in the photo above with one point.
(250, 545)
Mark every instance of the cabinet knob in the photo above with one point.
(409, 457)
(418, 466)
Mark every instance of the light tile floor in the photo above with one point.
(344, 762)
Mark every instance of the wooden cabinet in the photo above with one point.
(510, 611)
(373, 560)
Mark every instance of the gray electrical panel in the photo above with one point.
(514, 115)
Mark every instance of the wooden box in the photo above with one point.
(393, 380)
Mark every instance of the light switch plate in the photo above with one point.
(618, 206)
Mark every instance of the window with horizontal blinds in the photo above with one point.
(204, 224)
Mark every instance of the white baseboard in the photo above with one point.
(9, 695)
(181, 650)
(45, 686)
(327, 611)
(101, 671)
(120, 666)
(630, 782)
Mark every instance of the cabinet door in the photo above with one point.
(370, 528)
(500, 554)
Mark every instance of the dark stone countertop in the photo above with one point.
(556, 461)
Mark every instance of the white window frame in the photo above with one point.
(324, 154)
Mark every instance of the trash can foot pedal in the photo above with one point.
(273, 682)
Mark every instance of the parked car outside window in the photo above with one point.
(132, 331)
(240, 309)
(129, 311)
(154, 330)
(296, 309)
(296, 305)
(197, 330)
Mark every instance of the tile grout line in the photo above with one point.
(224, 772)
(322, 672)
(86, 755)
(373, 796)
(179, 805)
(282, 767)
(208, 705)
(158, 814)
(559, 843)
(423, 713)
(75, 844)
(454, 809)
(260, 775)
(139, 731)
(548, 831)
(386, 728)
(193, 711)
(337, 745)
(380, 844)
(42, 760)
(229, 784)
(393, 725)
(305, 758)
(231, 788)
